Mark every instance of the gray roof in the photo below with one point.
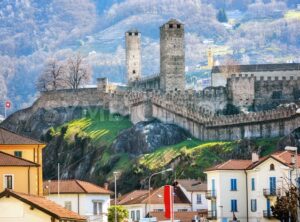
(192, 185)
(262, 67)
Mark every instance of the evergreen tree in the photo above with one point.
(221, 16)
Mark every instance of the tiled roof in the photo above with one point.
(44, 205)
(10, 160)
(193, 185)
(285, 157)
(156, 197)
(74, 186)
(232, 165)
(181, 216)
(262, 67)
(11, 138)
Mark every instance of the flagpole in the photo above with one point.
(5, 111)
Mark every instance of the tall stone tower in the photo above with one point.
(133, 55)
(172, 57)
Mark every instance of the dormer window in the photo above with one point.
(272, 167)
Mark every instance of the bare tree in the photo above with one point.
(78, 72)
(53, 76)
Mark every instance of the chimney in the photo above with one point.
(106, 186)
(255, 157)
(293, 159)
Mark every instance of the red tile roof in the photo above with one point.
(44, 205)
(187, 216)
(74, 186)
(10, 160)
(8, 137)
(156, 197)
(192, 185)
(284, 157)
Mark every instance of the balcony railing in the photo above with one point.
(210, 194)
(212, 215)
(268, 214)
(271, 192)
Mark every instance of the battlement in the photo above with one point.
(243, 76)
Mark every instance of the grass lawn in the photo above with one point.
(101, 127)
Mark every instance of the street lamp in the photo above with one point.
(115, 176)
(149, 185)
(295, 149)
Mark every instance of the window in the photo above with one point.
(68, 205)
(178, 26)
(97, 207)
(18, 154)
(170, 25)
(138, 215)
(130, 33)
(272, 167)
(158, 210)
(253, 205)
(8, 182)
(136, 33)
(233, 205)
(199, 199)
(182, 210)
(233, 185)
(133, 71)
(252, 184)
(132, 215)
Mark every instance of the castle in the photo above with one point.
(244, 101)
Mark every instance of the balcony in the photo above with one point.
(212, 215)
(268, 214)
(210, 194)
(271, 192)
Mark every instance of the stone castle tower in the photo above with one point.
(172, 57)
(133, 55)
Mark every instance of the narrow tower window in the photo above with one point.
(130, 33)
(178, 26)
(133, 71)
(136, 33)
(170, 26)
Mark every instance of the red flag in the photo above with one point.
(168, 201)
(7, 104)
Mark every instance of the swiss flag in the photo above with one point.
(168, 200)
(7, 104)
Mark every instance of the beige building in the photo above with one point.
(19, 207)
(248, 188)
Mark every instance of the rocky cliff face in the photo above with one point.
(145, 137)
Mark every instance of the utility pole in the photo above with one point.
(115, 176)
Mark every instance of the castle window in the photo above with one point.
(133, 71)
(272, 167)
(178, 26)
(170, 26)
(130, 33)
(136, 33)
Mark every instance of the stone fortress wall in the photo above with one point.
(262, 87)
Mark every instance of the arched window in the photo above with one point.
(272, 167)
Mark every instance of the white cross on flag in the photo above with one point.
(7, 104)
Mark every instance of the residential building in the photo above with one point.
(20, 207)
(195, 191)
(84, 198)
(21, 163)
(248, 188)
(139, 204)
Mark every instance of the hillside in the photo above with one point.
(33, 31)
(91, 146)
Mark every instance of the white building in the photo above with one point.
(248, 188)
(140, 205)
(84, 198)
(195, 191)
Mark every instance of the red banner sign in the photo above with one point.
(168, 201)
